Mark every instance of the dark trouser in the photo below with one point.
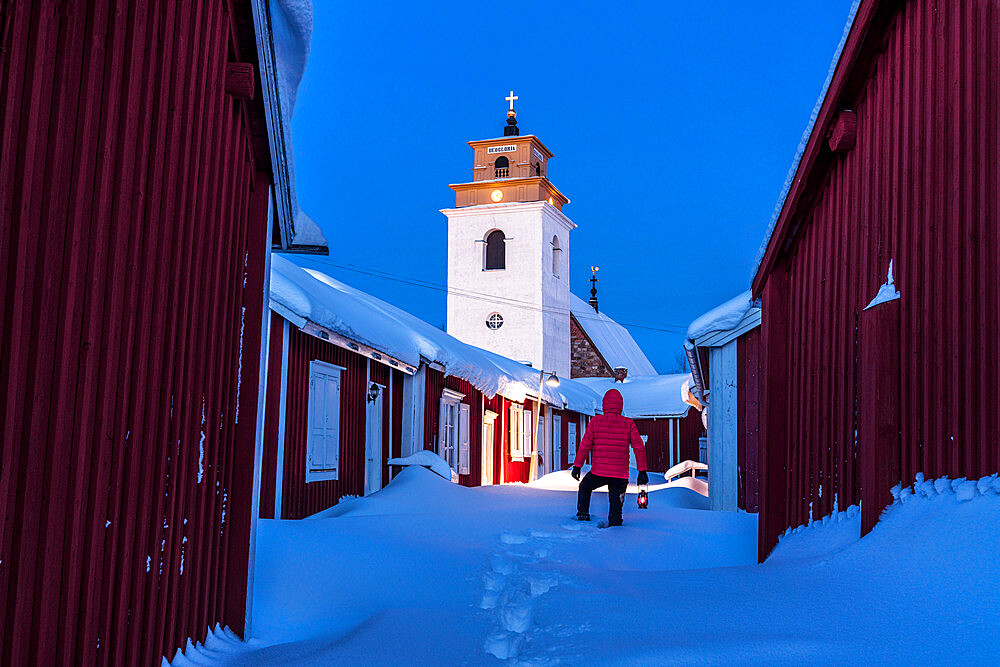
(616, 495)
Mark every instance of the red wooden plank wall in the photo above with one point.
(921, 188)
(748, 418)
(436, 383)
(130, 216)
(686, 430)
(299, 499)
(497, 404)
(269, 455)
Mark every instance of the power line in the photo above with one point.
(480, 296)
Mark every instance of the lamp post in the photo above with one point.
(553, 381)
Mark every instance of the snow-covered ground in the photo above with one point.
(429, 572)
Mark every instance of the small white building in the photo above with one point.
(722, 349)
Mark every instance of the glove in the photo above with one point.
(642, 478)
(576, 473)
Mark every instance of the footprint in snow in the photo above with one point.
(512, 538)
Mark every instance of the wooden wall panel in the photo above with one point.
(133, 219)
(919, 188)
(298, 498)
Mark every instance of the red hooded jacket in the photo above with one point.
(609, 436)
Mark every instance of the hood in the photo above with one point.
(613, 402)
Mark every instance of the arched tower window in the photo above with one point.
(556, 252)
(501, 168)
(538, 169)
(495, 251)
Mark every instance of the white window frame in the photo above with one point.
(317, 437)
(450, 435)
(517, 434)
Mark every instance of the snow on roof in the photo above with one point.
(291, 24)
(726, 317)
(804, 141)
(302, 296)
(646, 395)
(613, 341)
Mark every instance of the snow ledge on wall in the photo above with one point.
(887, 292)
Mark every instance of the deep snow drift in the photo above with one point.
(428, 572)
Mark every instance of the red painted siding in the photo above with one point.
(298, 498)
(497, 405)
(131, 211)
(921, 188)
(748, 418)
(686, 431)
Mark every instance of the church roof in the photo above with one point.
(612, 340)
(646, 396)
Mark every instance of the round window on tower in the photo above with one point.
(494, 321)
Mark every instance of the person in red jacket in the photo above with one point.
(609, 436)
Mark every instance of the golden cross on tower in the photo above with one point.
(510, 98)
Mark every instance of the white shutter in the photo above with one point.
(316, 439)
(332, 396)
(442, 429)
(463, 439)
(571, 445)
(323, 435)
(516, 433)
(528, 433)
(556, 463)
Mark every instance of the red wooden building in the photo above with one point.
(354, 382)
(136, 167)
(900, 166)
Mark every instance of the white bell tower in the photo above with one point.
(508, 253)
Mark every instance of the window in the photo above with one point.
(556, 253)
(496, 253)
(494, 321)
(538, 169)
(453, 431)
(501, 168)
(323, 436)
(520, 435)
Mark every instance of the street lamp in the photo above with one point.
(552, 381)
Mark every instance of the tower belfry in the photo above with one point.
(508, 252)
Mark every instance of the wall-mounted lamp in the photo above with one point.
(373, 392)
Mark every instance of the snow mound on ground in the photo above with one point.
(841, 529)
(220, 643)
(416, 490)
(830, 534)
(675, 494)
(427, 459)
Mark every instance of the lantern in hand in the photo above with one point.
(643, 499)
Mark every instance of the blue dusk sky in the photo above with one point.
(673, 126)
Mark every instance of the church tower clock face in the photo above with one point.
(508, 283)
